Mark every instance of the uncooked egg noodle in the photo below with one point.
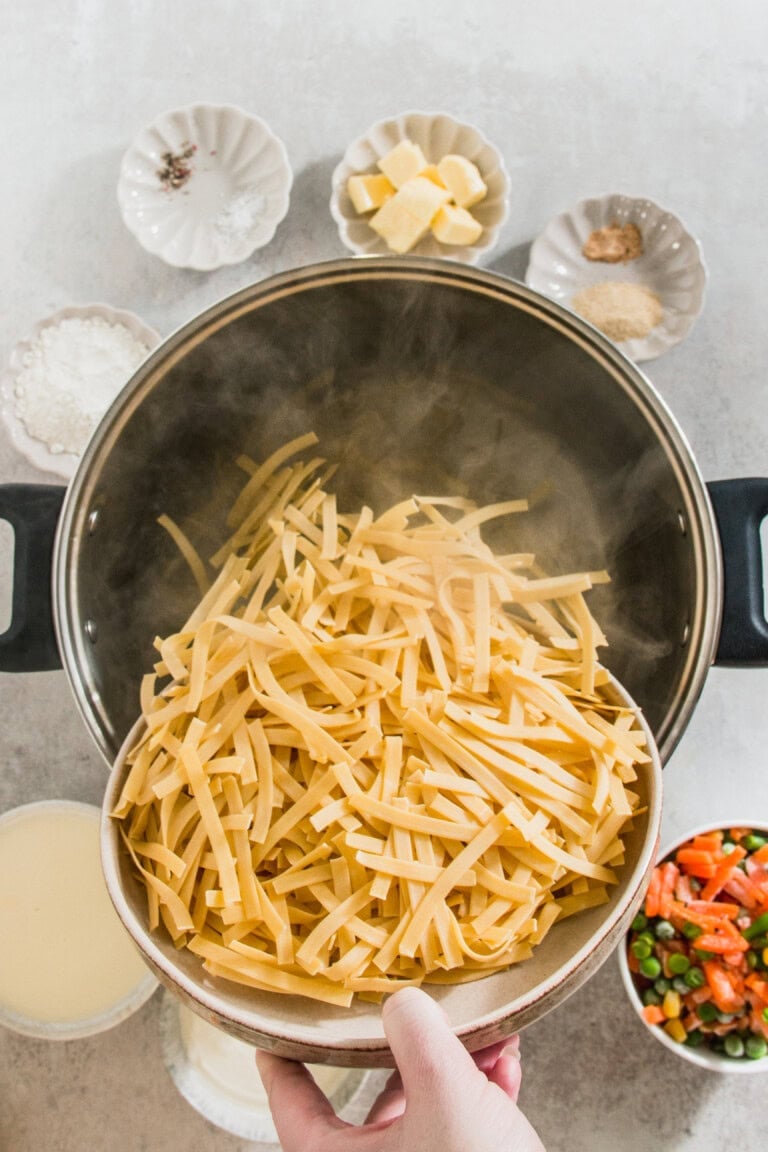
(377, 753)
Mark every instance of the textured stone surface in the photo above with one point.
(670, 101)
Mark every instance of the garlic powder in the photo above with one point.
(623, 311)
(70, 375)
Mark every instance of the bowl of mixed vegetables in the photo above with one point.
(695, 961)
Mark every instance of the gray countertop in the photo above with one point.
(664, 100)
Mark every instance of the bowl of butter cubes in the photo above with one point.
(421, 183)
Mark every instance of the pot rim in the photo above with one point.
(696, 518)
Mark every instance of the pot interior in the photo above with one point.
(419, 378)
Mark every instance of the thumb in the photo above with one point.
(431, 1060)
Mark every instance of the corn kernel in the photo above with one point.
(671, 1005)
(674, 1029)
(765, 955)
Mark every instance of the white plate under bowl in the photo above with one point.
(230, 204)
(37, 451)
(217, 1075)
(671, 264)
(701, 1057)
(437, 134)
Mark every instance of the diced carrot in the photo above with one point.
(758, 986)
(742, 889)
(715, 908)
(722, 942)
(632, 961)
(683, 890)
(738, 834)
(724, 993)
(691, 1021)
(700, 995)
(652, 895)
(723, 872)
(652, 1014)
(761, 856)
(734, 959)
(669, 874)
(693, 856)
(711, 842)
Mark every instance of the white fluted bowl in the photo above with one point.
(437, 134)
(230, 201)
(671, 264)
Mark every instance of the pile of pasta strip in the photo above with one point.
(377, 753)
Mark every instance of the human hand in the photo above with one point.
(439, 1100)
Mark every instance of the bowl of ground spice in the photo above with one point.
(627, 266)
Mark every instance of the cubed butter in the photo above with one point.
(462, 179)
(402, 163)
(422, 198)
(397, 226)
(369, 192)
(454, 225)
(431, 173)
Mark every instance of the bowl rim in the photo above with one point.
(374, 1051)
(83, 1027)
(711, 1061)
(467, 254)
(236, 255)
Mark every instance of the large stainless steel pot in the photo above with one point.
(418, 376)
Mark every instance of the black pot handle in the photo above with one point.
(740, 507)
(32, 510)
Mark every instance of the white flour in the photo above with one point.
(70, 376)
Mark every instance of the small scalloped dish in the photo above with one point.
(204, 186)
(437, 134)
(72, 407)
(671, 265)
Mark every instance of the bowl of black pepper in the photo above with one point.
(204, 186)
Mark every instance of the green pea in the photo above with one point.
(753, 842)
(640, 921)
(751, 959)
(728, 847)
(734, 1046)
(726, 1017)
(694, 977)
(678, 963)
(651, 996)
(662, 985)
(641, 949)
(694, 1038)
(664, 930)
(691, 931)
(756, 1047)
(679, 985)
(707, 1012)
(650, 967)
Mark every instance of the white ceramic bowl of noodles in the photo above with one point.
(481, 1012)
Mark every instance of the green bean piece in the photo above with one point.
(707, 1012)
(734, 1045)
(757, 927)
